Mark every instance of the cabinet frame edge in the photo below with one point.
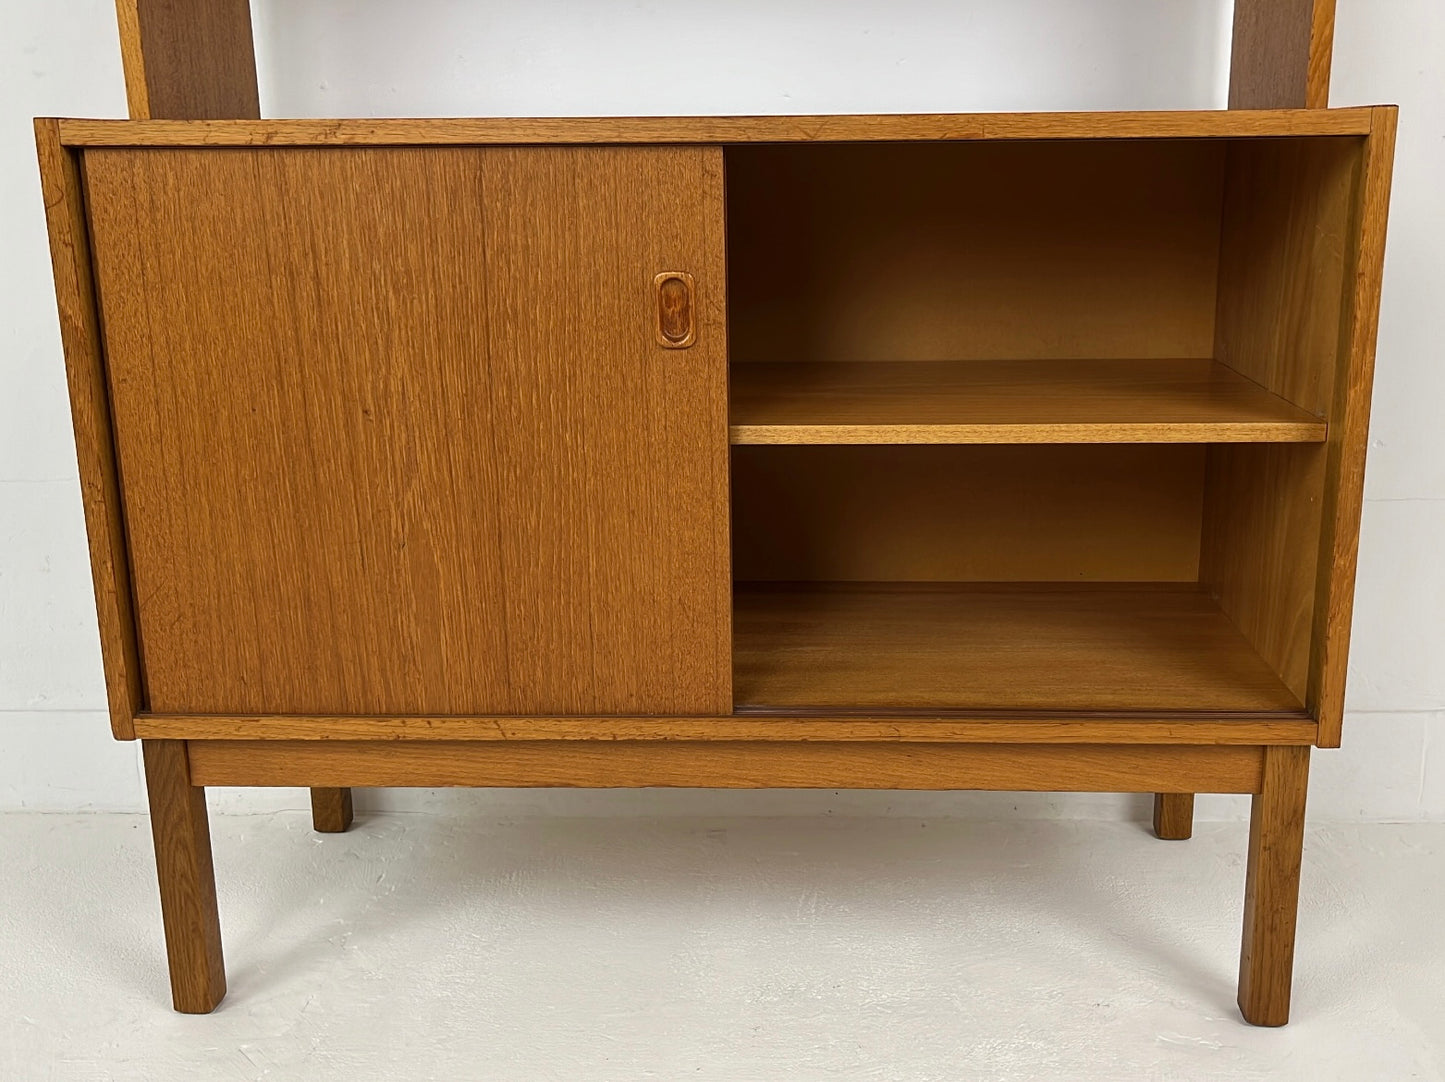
(721, 130)
(1349, 432)
(62, 185)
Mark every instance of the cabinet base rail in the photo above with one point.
(178, 770)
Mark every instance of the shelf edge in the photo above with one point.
(1104, 433)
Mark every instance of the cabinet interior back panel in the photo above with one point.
(390, 423)
(1053, 513)
(973, 251)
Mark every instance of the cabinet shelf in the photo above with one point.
(958, 402)
(886, 648)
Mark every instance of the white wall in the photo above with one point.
(560, 57)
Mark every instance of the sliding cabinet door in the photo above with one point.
(408, 431)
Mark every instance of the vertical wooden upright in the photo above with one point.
(1280, 59)
(331, 810)
(188, 59)
(1271, 893)
(1280, 54)
(197, 61)
(1174, 816)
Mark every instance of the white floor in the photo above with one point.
(755, 949)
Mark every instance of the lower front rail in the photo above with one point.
(724, 764)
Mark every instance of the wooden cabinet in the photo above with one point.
(1004, 451)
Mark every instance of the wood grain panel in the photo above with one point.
(192, 60)
(1001, 727)
(880, 648)
(1046, 513)
(1028, 768)
(1349, 434)
(960, 252)
(359, 482)
(899, 402)
(80, 335)
(1192, 124)
(1280, 54)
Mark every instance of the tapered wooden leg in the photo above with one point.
(1271, 890)
(187, 881)
(1174, 815)
(331, 810)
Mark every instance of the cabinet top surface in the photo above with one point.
(721, 129)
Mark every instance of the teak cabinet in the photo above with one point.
(1002, 452)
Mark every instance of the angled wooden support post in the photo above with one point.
(189, 60)
(1279, 59)
(1280, 54)
(331, 810)
(197, 61)
(1271, 891)
(187, 882)
(1174, 816)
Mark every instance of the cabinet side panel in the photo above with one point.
(1289, 217)
(90, 412)
(1258, 551)
(615, 467)
(1349, 432)
(1285, 241)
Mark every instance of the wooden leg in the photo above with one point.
(1174, 815)
(1271, 890)
(188, 884)
(331, 810)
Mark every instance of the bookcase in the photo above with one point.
(991, 451)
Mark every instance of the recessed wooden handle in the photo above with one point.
(675, 326)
